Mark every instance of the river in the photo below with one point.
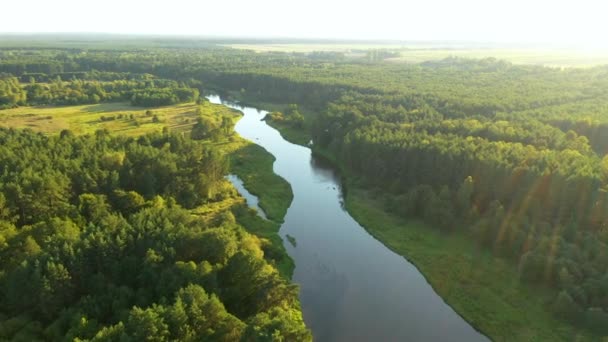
(352, 287)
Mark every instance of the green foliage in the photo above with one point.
(95, 244)
(292, 117)
(513, 152)
(566, 307)
(205, 128)
(277, 325)
(484, 289)
(121, 87)
(11, 93)
(154, 97)
(273, 192)
(511, 157)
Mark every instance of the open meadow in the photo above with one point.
(119, 118)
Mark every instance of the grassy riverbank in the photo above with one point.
(482, 288)
(253, 165)
(291, 134)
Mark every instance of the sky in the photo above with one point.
(550, 21)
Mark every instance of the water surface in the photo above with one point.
(352, 287)
(252, 200)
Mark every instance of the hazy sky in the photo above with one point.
(488, 20)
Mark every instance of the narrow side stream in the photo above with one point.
(252, 200)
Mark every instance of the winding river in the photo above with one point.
(352, 287)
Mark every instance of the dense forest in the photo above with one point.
(527, 191)
(96, 242)
(512, 156)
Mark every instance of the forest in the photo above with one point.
(97, 243)
(513, 157)
(524, 175)
(101, 235)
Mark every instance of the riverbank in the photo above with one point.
(484, 289)
(254, 166)
(298, 136)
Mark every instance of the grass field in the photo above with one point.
(412, 53)
(546, 57)
(305, 48)
(88, 118)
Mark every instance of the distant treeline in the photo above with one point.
(143, 92)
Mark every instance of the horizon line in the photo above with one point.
(199, 36)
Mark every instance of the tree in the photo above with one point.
(204, 128)
(226, 126)
(565, 307)
(66, 134)
(147, 325)
(277, 325)
(217, 245)
(297, 119)
(128, 202)
(464, 197)
(604, 168)
(443, 208)
(5, 212)
(532, 267)
(196, 315)
(597, 320)
(252, 286)
(93, 207)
